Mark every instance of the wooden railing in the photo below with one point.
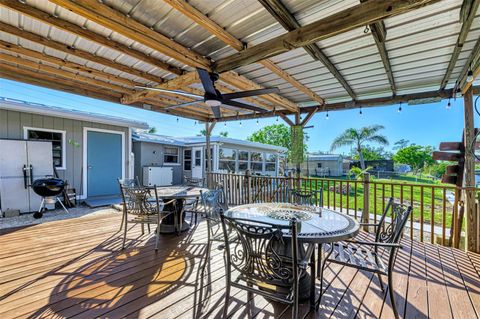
(435, 208)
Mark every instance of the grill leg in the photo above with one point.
(64, 208)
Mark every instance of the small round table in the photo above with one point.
(179, 194)
(316, 226)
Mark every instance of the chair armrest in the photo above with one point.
(172, 201)
(373, 243)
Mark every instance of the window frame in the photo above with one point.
(165, 154)
(185, 159)
(26, 129)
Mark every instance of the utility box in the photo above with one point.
(155, 175)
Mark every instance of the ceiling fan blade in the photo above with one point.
(238, 95)
(194, 96)
(216, 111)
(206, 81)
(180, 105)
(243, 106)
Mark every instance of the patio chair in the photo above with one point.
(191, 205)
(366, 255)
(305, 197)
(211, 209)
(265, 259)
(139, 204)
(194, 181)
(127, 182)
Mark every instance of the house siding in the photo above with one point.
(12, 125)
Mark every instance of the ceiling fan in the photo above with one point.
(213, 97)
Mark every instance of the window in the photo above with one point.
(170, 155)
(58, 143)
(256, 162)
(319, 165)
(270, 162)
(187, 160)
(242, 161)
(227, 158)
(198, 158)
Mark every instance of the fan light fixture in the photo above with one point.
(213, 102)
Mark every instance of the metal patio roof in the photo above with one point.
(40, 36)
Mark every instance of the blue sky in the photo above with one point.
(427, 124)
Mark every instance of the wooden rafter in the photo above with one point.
(211, 26)
(87, 34)
(346, 20)
(467, 14)
(76, 52)
(473, 63)
(281, 13)
(121, 23)
(379, 33)
(13, 48)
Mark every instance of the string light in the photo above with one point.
(400, 107)
(177, 119)
(326, 116)
(257, 121)
(360, 111)
(449, 105)
(195, 122)
(225, 124)
(240, 123)
(276, 119)
(470, 74)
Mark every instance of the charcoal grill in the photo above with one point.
(49, 189)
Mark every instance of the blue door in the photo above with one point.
(104, 163)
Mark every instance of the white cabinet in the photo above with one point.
(22, 162)
(159, 176)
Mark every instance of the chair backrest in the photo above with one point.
(223, 200)
(398, 218)
(137, 200)
(259, 251)
(193, 181)
(305, 197)
(210, 200)
(128, 181)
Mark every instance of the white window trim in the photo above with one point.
(64, 141)
(177, 163)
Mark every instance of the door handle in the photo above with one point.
(89, 167)
(31, 175)
(25, 181)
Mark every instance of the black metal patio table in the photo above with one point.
(179, 193)
(317, 226)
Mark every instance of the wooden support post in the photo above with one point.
(208, 165)
(248, 185)
(366, 200)
(471, 228)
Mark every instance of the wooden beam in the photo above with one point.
(62, 73)
(346, 20)
(379, 33)
(87, 34)
(471, 227)
(243, 83)
(211, 26)
(308, 117)
(281, 13)
(13, 48)
(74, 51)
(116, 21)
(173, 84)
(286, 119)
(468, 12)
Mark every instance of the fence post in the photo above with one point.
(366, 200)
(249, 186)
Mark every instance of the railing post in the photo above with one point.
(366, 200)
(290, 182)
(249, 185)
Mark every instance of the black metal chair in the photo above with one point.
(266, 258)
(194, 181)
(306, 197)
(138, 203)
(368, 255)
(127, 182)
(211, 209)
(191, 205)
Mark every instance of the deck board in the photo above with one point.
(75, 268)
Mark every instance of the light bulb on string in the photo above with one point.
(449, 105)
(177, 119)
(224, 124)
(257, 121)
(195, 123)
(240, 123)
(326, 116)
(360, 111)
(276, 119)
(400, 108)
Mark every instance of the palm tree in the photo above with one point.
(358, 138)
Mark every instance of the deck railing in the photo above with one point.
(435, 207)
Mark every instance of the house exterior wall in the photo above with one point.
(12, 124)
(151, 154)
(328, 168)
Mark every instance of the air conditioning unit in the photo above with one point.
(160, 176)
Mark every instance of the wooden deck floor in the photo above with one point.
(75, 268)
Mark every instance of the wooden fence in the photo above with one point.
(435, 207)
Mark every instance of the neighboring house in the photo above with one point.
(377, 166)
(186, 156)
(90, 150)
(322, 165)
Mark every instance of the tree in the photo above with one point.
(402, 143)
(358, 138)
(416, 156)
(372, 153)
(276, 134)
(152, 130)
(204, 133)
